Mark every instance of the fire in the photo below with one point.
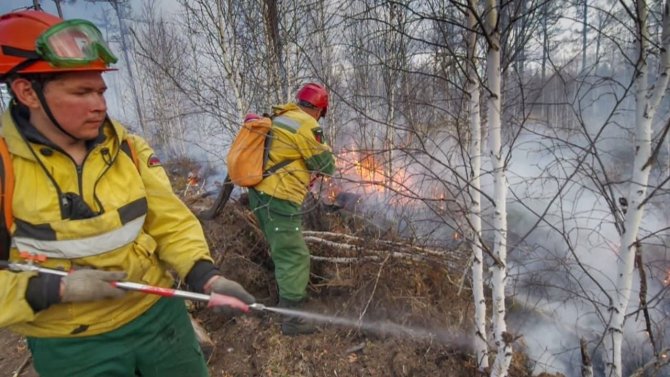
(666, 281)
(369, 171)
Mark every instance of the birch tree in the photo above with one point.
(472, 93)
(164, 104)
(497, 156)
(122, 10)
(649, 90)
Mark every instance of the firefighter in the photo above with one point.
(277, 199)
(91, 208)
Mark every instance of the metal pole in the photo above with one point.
(214, 299)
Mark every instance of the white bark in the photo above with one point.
(647, 97)
(118, 9)
(481, 348)
(227, 42)
(499, 268)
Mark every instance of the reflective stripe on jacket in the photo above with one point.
(294, 137)
(138, 226)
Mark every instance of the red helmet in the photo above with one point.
(19, 33)
(314, 95)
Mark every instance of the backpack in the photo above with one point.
(7, 191)
(250, 151)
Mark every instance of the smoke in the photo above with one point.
(563, 250)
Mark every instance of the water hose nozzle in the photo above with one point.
(257, 306)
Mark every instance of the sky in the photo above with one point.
(92, 11)
(79, 9)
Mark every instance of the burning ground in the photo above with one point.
(409, 306)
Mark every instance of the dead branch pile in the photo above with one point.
(343, 248)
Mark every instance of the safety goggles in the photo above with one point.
(73, 43)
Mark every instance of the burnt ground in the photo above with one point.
(383, 292)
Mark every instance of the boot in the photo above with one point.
(292, 326)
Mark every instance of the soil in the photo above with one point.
(384, 293)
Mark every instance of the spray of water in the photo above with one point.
(451, 337)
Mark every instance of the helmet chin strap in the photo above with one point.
(39, 90)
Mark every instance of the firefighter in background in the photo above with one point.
(276, 201)
(83, 203)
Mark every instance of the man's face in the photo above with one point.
(77, 102)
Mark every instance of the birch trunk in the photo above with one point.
(118, 9)
(647, 97)
(585, 30)
(499, 267)
(277, 69)
(227, 44)
(481, 348)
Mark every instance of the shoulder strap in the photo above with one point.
(274, 168)
(266, 151)
(6, 196)
(128, 146)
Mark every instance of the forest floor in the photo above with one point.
(414, 316)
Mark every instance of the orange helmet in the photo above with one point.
(25, 50)
(313, 95)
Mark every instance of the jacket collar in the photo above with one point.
(280, 109)
(16, 128)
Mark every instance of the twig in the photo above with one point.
(374, 289)
(465, 273)
(657, 362)
(643, 295)
(587, 365)
(19, 370)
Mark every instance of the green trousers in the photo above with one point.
(281, 223)
(160, 342)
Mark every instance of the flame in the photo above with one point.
(368, 173)
(666, 281)
(456, 236)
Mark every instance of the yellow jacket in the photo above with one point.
(295, 136)
(141, 228)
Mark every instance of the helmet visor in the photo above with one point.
(73, 43)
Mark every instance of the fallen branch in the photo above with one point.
(343, 260)
(419, 249)
(442, 259)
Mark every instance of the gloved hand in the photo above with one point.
(223, 286)
(91, 285)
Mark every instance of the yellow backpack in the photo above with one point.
(249, 153)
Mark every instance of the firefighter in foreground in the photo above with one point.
(90, 207)
(276, 201)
